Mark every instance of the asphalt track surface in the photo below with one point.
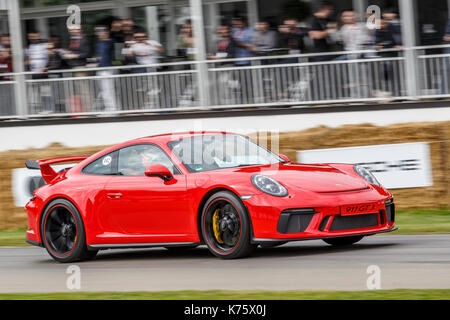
(416, 261)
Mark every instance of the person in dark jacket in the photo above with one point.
(78, 52)
(128, 31)
(291, 38)
(322, 31)
(76, 58)
(104, 52)
(225, 47)
(54, 58)
(55, 62)
(385, 38)
(391, 17)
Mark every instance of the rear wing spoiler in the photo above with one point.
(48, 174)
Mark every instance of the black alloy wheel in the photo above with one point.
(63, 233)
(60, 230)
(226, 226)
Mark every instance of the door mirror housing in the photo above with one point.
(284, 157)
(158, 170)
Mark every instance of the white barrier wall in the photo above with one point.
(107, 133)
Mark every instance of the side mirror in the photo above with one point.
(285, 158)
(158, 170)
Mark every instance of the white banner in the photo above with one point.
(404, 165)
(25, 181)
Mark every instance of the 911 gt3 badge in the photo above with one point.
(358, 209)
(107, 161)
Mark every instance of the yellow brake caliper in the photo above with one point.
(216, 227)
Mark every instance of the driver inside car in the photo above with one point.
(134, 164)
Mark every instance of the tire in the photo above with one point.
(272, 244)
(226, 226)
(63, 233)
(344, 241)
(88, 255)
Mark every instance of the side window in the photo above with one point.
(102, 166)
(134, 160)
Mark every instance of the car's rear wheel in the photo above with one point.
(343, 241)
(225, 226)
(63, 232)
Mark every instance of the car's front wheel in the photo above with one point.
(63, 233)
(343, 241)
(225, 226)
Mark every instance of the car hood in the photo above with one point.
(316, 178)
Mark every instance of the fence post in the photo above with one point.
(360, 7)
(18, 61)
(200, 46)
(252, 9)
(409, 36)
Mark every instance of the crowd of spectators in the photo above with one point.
(122, 43)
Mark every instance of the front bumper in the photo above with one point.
(291, 222)
(33, 243)
(259, 241)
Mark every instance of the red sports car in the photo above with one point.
(214, 188)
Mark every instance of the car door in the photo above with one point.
(141, 205)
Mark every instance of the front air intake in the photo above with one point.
(354, 222)
(390, 212)
(295, 220)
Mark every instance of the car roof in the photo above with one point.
(179, 135)
(161, 139)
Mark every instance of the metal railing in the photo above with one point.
(434, 72)
(82, 93)
(307, 82)
(356, 76)
(7, 100)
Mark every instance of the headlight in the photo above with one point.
(366, 174)
(269, 185)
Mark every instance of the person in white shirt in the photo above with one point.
(147, 52)
(36, 60)
(353, 34)
(36, 53)
(354, 37)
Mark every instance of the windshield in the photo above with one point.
(212, 152)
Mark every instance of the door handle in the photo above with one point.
(114, 195)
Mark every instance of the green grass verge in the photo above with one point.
(422, 221)
(13, 238)
(240, 295)
(413, 221)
